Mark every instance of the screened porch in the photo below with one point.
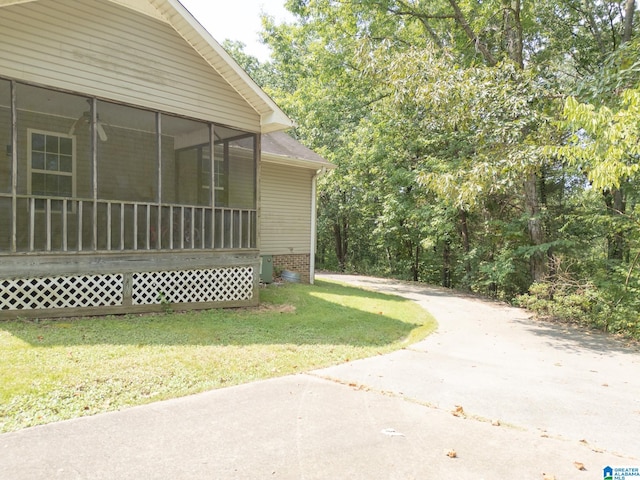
(81, 174)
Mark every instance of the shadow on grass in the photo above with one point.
(295, 314)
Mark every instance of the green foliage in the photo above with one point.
(568, 303)
(610, 303)
(250, 64)
(604, 141)
(456, 163)
(619, 71)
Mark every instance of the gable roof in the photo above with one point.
(172, 12)
(278, 147)
(185, 24)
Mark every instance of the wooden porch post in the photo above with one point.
(14, 168)
(212, 188)
(94, 166)
(257, 205)
(159, 195)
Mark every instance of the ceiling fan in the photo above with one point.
(85, 118)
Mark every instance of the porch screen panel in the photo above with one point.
(54, 167)
(53, 115)
(5, 137)
(5, 166)
(242, 174)
(127, 154)
(235, 168)
(5, 224)
(186, 162)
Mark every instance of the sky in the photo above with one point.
(237, 20)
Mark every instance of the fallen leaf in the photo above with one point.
(451, 453)
(579, 465)
(458, 412)
(495, 423)
(605, 384)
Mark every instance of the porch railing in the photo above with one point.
(47, 224)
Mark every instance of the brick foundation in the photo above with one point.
(298, 263)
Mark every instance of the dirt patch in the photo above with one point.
(266, 307)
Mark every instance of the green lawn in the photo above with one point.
(52, 370)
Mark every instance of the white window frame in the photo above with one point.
(31, 170)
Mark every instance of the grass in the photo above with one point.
(53, 370)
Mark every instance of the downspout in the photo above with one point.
(314, 227)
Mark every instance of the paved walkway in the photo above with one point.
(535, 399)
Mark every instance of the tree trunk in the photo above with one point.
(538, 261)
(492, 288)
(514, 45)
(589, 9)
(341, 236)
(615, 240)
(466, 243)
(390, 262)
(616, 244)
(629, 10)
(477, 41)
(446, 264)
(513, 31)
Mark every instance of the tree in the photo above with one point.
(259, 72)
(436, 114)
(604, 142)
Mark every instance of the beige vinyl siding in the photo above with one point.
(285, 217)
(103, 49)
(172, 11)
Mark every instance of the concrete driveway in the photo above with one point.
(490, 395)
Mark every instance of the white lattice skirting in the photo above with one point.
(61, 292)
(186, 286)
(182, 286)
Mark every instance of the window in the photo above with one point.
(235, 168)
(221, 174)
(193, 175)
(51, 165)
(186, 161)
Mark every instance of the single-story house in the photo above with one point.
(131, 176)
